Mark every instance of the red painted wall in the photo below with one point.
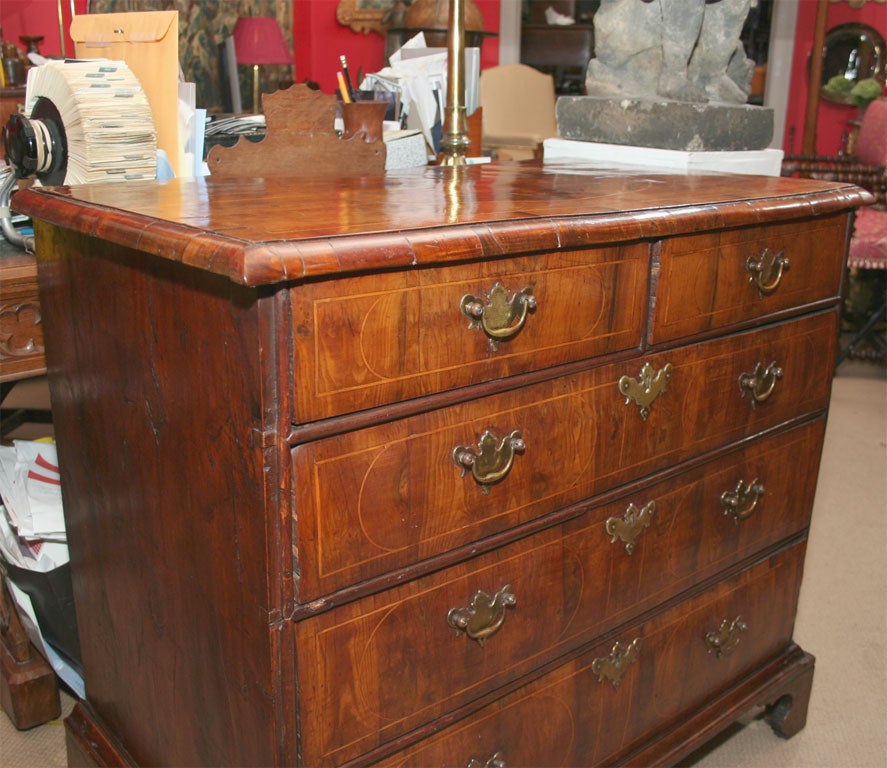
(832, 118)
(319, 41)
(39, 17)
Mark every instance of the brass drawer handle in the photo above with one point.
(647, 388)
(724, 639)
(492, 460)
(742, 500)
(499, 316)
(484, 615)
(766, 272)
(496, 761)
(613, 666)
(759, 384)
(628, 527)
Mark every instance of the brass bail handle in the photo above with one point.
(484, 615)
(500, 316)
(613, 667)
(492, 460)
(766, 272)
(496, 761)
(760, 383)
(724, 640)
(742, 500)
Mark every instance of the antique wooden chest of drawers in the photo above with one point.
(500, 465)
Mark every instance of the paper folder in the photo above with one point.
(149, 44)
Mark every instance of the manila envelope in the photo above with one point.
(149, 44)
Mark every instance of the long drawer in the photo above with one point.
(385, 497)
(606, 701)
(367, 341)
(715, 280)
(550, 593)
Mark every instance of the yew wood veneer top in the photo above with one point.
(260, 231)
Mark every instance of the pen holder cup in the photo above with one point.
(363, 117)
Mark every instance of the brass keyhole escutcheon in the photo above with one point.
(613, 666)
(484, 615)
(766, 272)
(492, 460)
(724, 640)
(760, 383)
(646, 388)
(628, 527)
(742, 500)
(499, 316)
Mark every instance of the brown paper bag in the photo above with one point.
(149, 44)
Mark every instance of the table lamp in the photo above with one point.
(259, 40)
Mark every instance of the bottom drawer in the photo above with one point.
(601, 704)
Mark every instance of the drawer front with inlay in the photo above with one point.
(711, 281)
(367, 341)
(605, 702)
(384, 497)
(473, 627)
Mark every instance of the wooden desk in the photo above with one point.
(384, 470)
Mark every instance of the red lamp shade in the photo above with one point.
(259, 40)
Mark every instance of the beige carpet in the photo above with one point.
(842, 618)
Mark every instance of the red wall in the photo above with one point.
(38, 17)
(832, 118)
(319, 41)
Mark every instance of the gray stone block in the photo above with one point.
(665, 124)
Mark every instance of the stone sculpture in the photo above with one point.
(685, 50)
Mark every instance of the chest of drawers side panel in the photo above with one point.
(155, 398)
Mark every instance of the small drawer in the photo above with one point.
(382, 498)
(672, 665)
(544, 596)
(714, 281)
(368, 341)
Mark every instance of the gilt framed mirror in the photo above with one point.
(364, 15)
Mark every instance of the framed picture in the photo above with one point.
(364, 15)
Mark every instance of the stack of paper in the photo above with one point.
(107, 120)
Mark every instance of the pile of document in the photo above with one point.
(418, 74)
(34, 548)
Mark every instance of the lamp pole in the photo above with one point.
(455, 133)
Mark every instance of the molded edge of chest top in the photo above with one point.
(266, 231)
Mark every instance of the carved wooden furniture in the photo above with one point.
(21, 329)
(503, 464)
(300, 138)
(28, 688)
